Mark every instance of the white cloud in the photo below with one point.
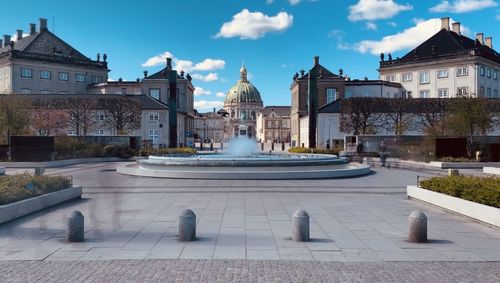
(254, 25)
(158, 59)
(206, 104)
(199, 91)
(220, 94)
(407, 39)
(462, 6)
(392, 24)
(287, 65)
(371, 26)
(376, 9)
(498, 17)
(294, 2)
(14, 36)
(269, 2)
(211, 77)
(208, 64)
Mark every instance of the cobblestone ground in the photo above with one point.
(246, 271)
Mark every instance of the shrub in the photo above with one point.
(110, 150)
(166, 151)
(455, 159)
(22, 186)
(483, 190)
(125, 152)
(334, 150)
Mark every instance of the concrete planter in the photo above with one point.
(24, 207)
(463, 165)
(59, 163)
(481, 212)
(491, 170)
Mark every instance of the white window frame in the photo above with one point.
(424, 78)
(26, 73)
(331, 95)
(42, 72)
(442, 76)
(443, 93)
(154, 135)
(82, 76)
(495, 74)
(154, 117)
(489, 93)
(100, 117)
(390, 78)
(482, 71)
(461, 91)
(45, 91)
(462, 71)
(426, 92)
(63, 76)
(100, 132)
(26, 91)
(155, 89)
(407, 77)
(488, 73)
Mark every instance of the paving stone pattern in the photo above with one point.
(246, 271)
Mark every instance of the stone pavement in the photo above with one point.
(246, 271)
(352, 220)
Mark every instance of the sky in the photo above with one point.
(273, 38)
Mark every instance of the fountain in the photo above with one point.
(240, 162)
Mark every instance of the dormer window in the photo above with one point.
(58, 53)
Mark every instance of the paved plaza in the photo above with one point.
(356, 224)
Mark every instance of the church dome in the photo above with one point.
(243, 91)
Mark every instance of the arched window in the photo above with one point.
(232, 113)
(243, 115)
(253, 115)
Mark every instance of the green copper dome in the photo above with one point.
(243, 91)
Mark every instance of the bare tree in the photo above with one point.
(399, 117)
(14, 115)
(431, 114)
(80, 113)
(359, 115)
(122, 113)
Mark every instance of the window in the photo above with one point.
(390, 78)
(331, 95)
(45, 75)
(154, 116)
(488, 92)
(58, 53)
(100, 117)
(124, 90)
(443, 93)
(154, 136)
(269, 124)
(481, 71)
(495, 93)
(495, 74)
(154, 93)
(442, 74)
(424, 94)
(96, 79)
(488, 73)
(462, 71)
(80, 78)
(424, 78)
(407, 77)
(71, 133)
(45, 92)
(63, 76)
(26, 91)
(406, 94)
(481, 91)
(100, 133)
(26, 73)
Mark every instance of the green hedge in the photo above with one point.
(166, 151)
(23, 186)
(483, 190)
(314, 150)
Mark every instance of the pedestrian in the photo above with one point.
(359, 151)
(383, 154)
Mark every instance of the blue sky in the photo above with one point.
(275, 39)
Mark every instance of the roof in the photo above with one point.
(372, 82)
(147, 102)
(243, 91)
(445, 44)
(282, 111)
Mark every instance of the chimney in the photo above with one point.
(489, 42)
(19, 34)
(316, 60)
(480, 37)
(456, 28)
(43, 24)
(445, 23)
(169, 63)
(6, 40)
(32, 29)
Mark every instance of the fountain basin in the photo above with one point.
(255, 167)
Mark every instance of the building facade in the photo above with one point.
(445, 65)
(273, 124)
(242, 103)
(42, 63)
(210, 127)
